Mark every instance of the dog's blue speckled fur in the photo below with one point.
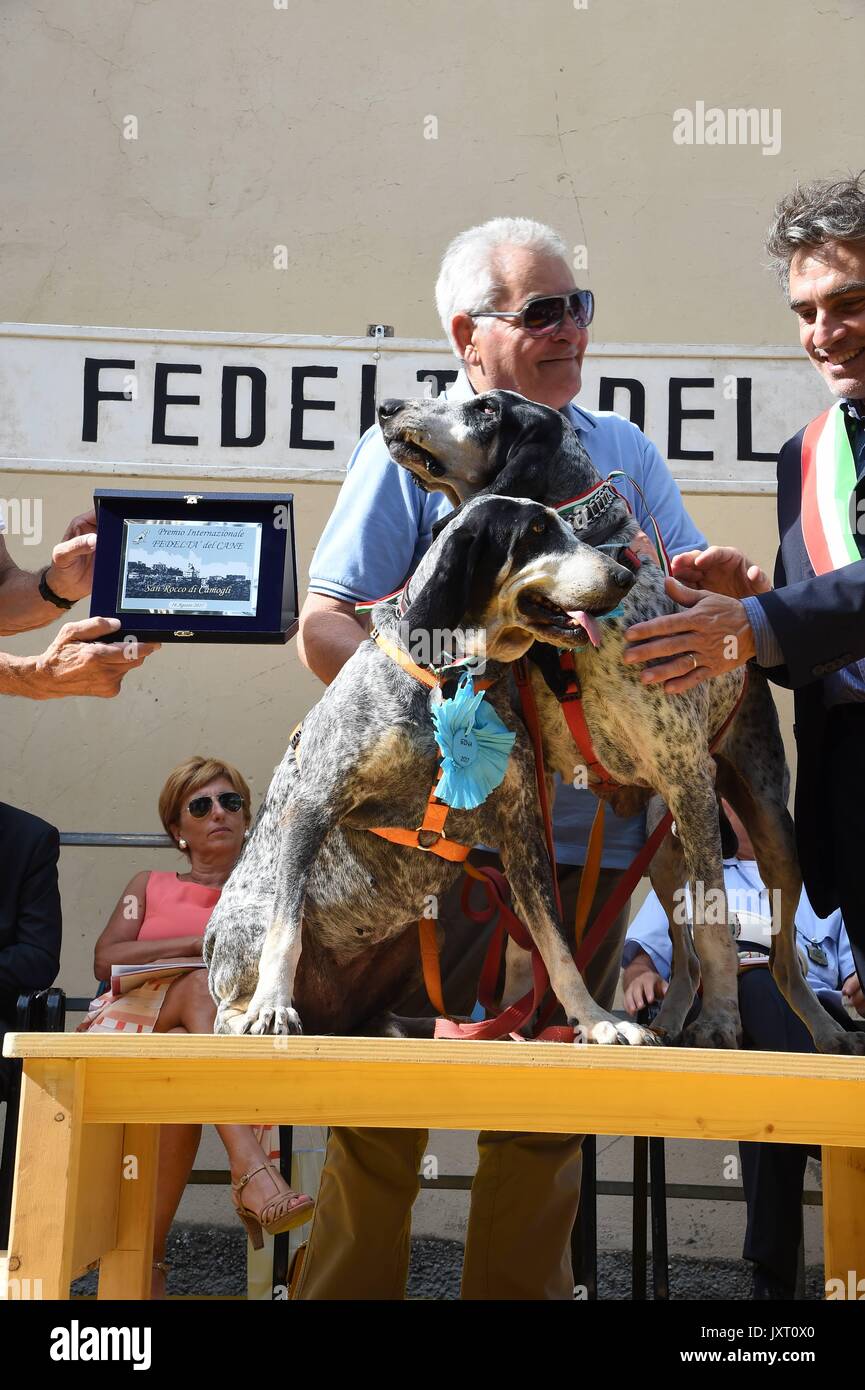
(314, 927)
(500, 444)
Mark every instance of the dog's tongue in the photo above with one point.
(586, 621)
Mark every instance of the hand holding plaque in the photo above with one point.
(211, 567)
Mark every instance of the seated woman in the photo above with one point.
(205, 807)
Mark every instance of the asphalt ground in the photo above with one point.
(211, 1260)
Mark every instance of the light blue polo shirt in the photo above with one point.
(746, 892)
(382, 525)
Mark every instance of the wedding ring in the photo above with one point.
(695, 661)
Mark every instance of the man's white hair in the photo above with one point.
(469, 278)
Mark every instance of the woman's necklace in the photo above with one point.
(202, 883)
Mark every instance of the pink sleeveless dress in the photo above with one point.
(172, 908)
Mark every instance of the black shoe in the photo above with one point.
(766, 1285)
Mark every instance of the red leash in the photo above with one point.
(635, 870)
(497, 889)
(572, 708)
(507, 1023)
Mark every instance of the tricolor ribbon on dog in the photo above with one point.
(828, 483)
(369, 604)
(591, 504)
(663, 557)
(597, 499)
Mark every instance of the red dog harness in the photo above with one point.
(571, 702)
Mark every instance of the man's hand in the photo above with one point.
(642, 988)
(721, 570)
(76, 665)
(711, 637)
(852, 992)
(70, 574)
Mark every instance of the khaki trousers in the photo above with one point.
(526, 1190)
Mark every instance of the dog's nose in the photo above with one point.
(624, 579)
(392, 406)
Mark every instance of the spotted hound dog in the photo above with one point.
(313, 928)
(498, 443)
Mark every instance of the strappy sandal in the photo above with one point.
(282, 1212)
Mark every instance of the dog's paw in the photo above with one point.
(611, 1031)
(842, 1044)
(637, 1036)
(270, 1017)
(721, 1030)
(667, 1028)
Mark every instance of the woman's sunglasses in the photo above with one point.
(199, 806)
(547, 313)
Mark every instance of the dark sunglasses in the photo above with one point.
(547, 313)
(199, 806)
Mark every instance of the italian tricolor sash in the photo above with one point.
(828, 483)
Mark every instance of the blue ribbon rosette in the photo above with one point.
(475, 746)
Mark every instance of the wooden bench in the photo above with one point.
(46, 1011)
(91, 1107)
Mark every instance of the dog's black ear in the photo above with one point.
(443, 521)
(729, 838)
(546, 658)
(529, 438)
(467, 559)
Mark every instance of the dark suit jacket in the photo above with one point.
(30, 921)
(820, 624)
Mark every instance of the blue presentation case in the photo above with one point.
(275, 618)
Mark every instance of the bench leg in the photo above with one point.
(47, 1163)
(639, 1230)
(844, 1218)
(125, 1272)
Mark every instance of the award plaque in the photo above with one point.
(193, 566)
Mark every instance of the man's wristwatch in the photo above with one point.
(48, 593)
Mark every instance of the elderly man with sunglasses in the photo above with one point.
(517, 321)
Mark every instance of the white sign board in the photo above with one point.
(134, 402)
